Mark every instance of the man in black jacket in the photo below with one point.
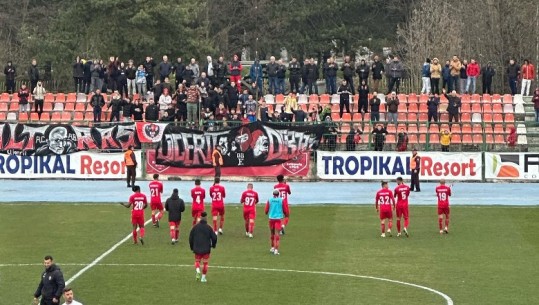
(313, 77)
(87, 76)
(10, 72)
(201, 239)
(432, 106)
(149, 66)
(220, 69)
(33, 75)
(116, 104)
(175, 207)
(377, 71)
(178, 68)
(453, 106)
(513, 73)
(52, 284)
(348, 73)
(488, 73)
(295, 75)
(152, 111)
(97, 102)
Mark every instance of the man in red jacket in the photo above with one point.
(472, 70)
(527, 72)
(235, 71)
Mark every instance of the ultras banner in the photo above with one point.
(62, 139)
(254, 144)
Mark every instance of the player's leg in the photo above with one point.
(406, 220)
(399, 217)
(446, 229)
(177, 233)
(221, 220)
(440, 220)
(272, 234)
(172, 227)
(383, 226)
(252, 217)
(246, 222)
(214, 214)
(161, 212)
(141, 230)
(205, 261)
(197, 267)
(195, 215)
(134, 222)
(285, 222)
(153, 215)
(389, 223)
(277, 237)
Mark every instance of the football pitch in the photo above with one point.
(331, 254)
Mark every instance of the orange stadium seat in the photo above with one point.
(412, 139)
(477, 139)
(489, 139)
(78, 116)
(455, 128)
(467, 139)
(335, 116)
(346, 116)
(465, 108)
(498, 118)
(412, 98)
(466, 117)
(475, 98)
(497, 108)
(390, 139)
(60, 98)
(56, 116)
(45, 117)
(69, 107)
(476, 107)
(413, 107)
(15, 98)
(279, 99)
(402, 117)
(80, 106)
(455, 139)
(434, 128)
(422, 138)
(434, 138)
(89, 116)
(496, 98)
(477, 128)
(498, 128)
(313, 99)
(486, 98)
(34, 116)
(487, 108)
(49, 98)
(3, 107)
(2, 116)
(23, 116)
(391, 128)
(66, 116)
(412, 128)
(509, 118)
(4, 98)
(402, 107)
(423, 117)
(444, 117)
(13, 106)
(466, 128)
(488, 128)
(47, 106)
(72, 97)
(487, 117)
(507, 99)
(324, 99)
(499, 139)
(423, 128)
(465, 98)
(423, 108)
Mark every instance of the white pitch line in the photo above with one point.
(101, 257)
(448, 300)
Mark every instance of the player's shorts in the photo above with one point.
(275, 224)
(174, 224)
(386, 214)
(215, 211)
(202, 256)
(443, 211)
(137, 219)
(196, 213)
(157, 206)
(250, 214)
(402, 211)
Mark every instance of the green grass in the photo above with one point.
(489, 257)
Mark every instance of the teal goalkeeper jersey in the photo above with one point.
(276, 208)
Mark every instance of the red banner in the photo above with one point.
(150, 132)
(297, 167)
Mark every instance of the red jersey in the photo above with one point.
(284, 191)
(138, 202)
(156, 189)
(198, 194)
(217, 194)
(249, 199)
(402, 192)
(443, 192)
(384, 199)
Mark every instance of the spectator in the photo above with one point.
(33, 75)
(463, 77)
(348, 73)
(432, 106)
(295, 75)
(331, 137)
(131, 75)
(250, 108)
(300, 115)
(157, 89)
(195, 69)
(379, 137)
(149, 66)
(209, 70)
(344, 98)
(193, 99)
(362, 71)
(39, 96)
(402, 140)
(167, 85)
(363, 91)
(178, 69)
(10, 72)
(415, 167)
(116, 104)
(97, 102)
(488, 73)
(395, 74)
(141, 80)
(113, 73)
(51, 283)
(188, 76)
(455, 67)
(152, 112)
(445, 140)
(96, 79)
(375, 107)
(165, 67)
(220, 71)
(232, 96)
(313, 76)
(256, 76)
(221, 113)
(281, 75)
(377, 72)
(513, 73)
(87, 79)
(325, 114)
(272, 68)
(512, 137)
(23, 94)
(435, 75)
(128, 108)
(243, 98)
(330, 71)
(181, 103)
(392, 108)
(165, 101)
(535, 101)
(290, 105)
(138, 110)
(68, 297)
(453, 106)
(235, 69)
(473, 72)
(446, 75)
(78, 74)
(425, 77)
(263, 112)
(203, 89)
(528, 74)
(353, 138)
(122, 80)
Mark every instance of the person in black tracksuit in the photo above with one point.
(149, 66)
(201, 239)
(116, 104)
(175, 206)
(52, 284)
(348, 73)
(415, 167)
(295, 75)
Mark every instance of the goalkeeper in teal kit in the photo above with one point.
(276, 211)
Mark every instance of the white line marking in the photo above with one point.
(448, 300)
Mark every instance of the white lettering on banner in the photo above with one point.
(390, 165)
(74, 166)
(512, 166)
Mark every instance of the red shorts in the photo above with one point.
(386, 214)
(215, 211)
(202, 256)
(275, 224)
(196, 213)
(157, 206)
(137, 219)
(249, 214)
(402, 211)
(443, 211)
(174, 224)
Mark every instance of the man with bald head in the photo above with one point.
(443, 192)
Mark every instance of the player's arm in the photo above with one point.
(449, 192)
(166, 205)
(60, 283)
(182, 206)
(376, 202)
(126, 204)
(191, 238)
(213, 237)
(266, 209)
(256, 198)
(288, 189)
(242, 200)
(37, 294)
(286, 211)
(161, 188)
(145, 202)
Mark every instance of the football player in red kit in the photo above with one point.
(249, 199)
(384, 204)
(156, 189)
(443, 192)
(138, 202)
(198, 194)
(217, 194)
(284, 191)
(402, 192)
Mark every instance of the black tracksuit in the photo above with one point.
(175, 207)
(415, 174)
(202, 238)
(51, 285)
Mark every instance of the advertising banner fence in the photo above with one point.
(512, 166)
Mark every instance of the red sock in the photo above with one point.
(215, 225)
(197, 264)
(222, 221)
(447, 222)
(194, 221)
(285, 221)
(172, 236)
(440, 223)
(205, 268)
(135, 235)
(272, 239)
(177, 234)
(383, 225)
(398, 225)
(141, 232)
(247, 226)
(153, 218)
(406, 222)
(251, 227)
(160, 215)
(276, 242)
(390, 224)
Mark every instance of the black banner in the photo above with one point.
(254, 144)
(61, 139)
